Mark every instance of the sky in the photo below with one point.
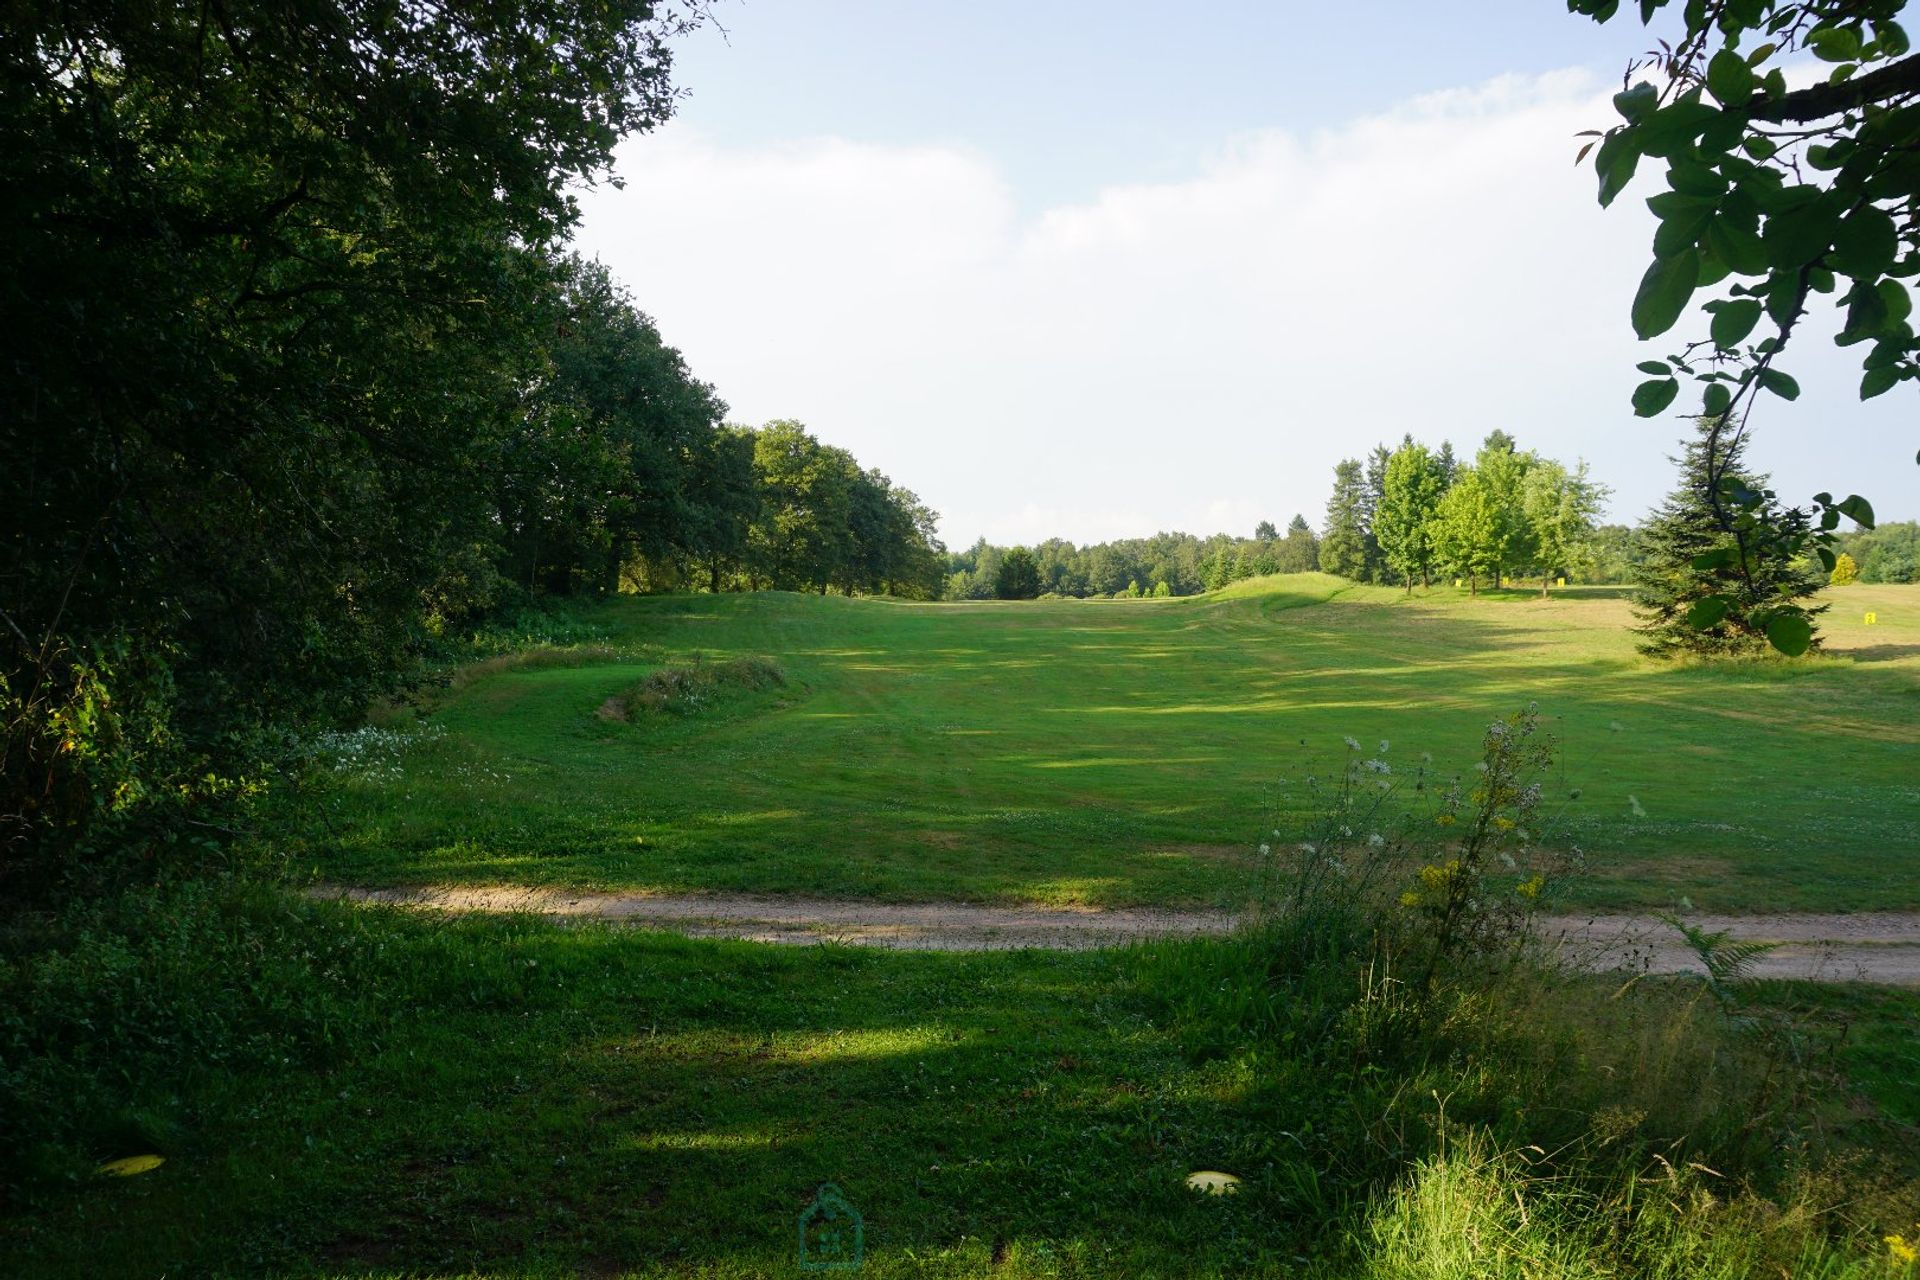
(1092, 272)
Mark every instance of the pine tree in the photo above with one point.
(1690, 525)
(1343, 544)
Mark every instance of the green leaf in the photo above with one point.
(1790, 633)
(1734, 321)
(1707, 612)
(1729, 79)
(1780, 384)
(1737, 245)
(1866, 243)
(1857, 509)
(1827, 558)
(1637, 103)
(1614, 163)
(1878, 382)
(1656, 368)
(1830, 44)
(1718, 558)
(1717, 399)
(1894, 297)
(1801, 235)
(1664, 292)
(1651, 397)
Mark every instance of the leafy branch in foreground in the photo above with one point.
(1780, 194)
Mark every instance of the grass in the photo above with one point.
(539, 1100)
(529, 1100)
(354, 1091)
(1134, 752)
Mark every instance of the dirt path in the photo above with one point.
(1870, 946)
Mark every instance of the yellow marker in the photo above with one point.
(1560, 582)
(1214, 1183)
(1872, 618)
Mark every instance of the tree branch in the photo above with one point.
(1819, 101)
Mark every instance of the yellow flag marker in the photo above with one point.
(131, 1165)
(1213, 1182)
(1872, 618)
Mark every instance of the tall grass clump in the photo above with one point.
(1454, 1100)
(689, 690)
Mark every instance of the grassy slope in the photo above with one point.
(1112, 752)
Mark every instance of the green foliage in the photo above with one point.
(1887, 553)
(1710, 581)
(1344, 536)
(1019, 577)
(1774, 195)
(300, 253)
(1404, 521)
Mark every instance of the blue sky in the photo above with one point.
(1100, 270)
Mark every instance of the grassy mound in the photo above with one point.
(689, 690)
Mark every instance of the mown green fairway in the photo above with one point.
(1120, 752)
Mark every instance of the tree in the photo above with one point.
(1300, 552)
(1774, 194)
(1466, 528)
(1845, 571)
(1687, 600)
(1503, 469)
(1343, 539)
(274, 279)
(1559, 506)
(1265, 532)
(1403, 523)
(1019, 577)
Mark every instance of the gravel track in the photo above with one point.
(1865, 947)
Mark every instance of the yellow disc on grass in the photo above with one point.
(1213, 1182)
(131, 1165)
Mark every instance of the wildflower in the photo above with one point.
(1633, 803)
(1409, 899)
(1504, 824)
(1901, 1252)
(1445, 819)
(1530, 889)
(1353, 744)
(1265, 849)
(1383, 747)
(1375, 839)
(1507, 858)
(1307, 848)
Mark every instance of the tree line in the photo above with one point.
(1404, 515)
(302, 375)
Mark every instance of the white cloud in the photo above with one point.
(1197, 353)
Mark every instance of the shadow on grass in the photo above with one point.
(569, 1101)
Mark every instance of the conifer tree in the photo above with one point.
(1343, 542)
(1695, 595)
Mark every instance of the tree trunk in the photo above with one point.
(713, 577)
(1473, 583)
(1545, 578)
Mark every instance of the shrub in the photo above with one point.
(1845, 571)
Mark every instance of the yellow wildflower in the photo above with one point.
(1530, 888)
(1505, 824)
(1902, 1252)
(1409, 899)
(1445, 819)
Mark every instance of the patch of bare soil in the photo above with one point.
(1864, 947)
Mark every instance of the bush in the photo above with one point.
(1845, 571)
